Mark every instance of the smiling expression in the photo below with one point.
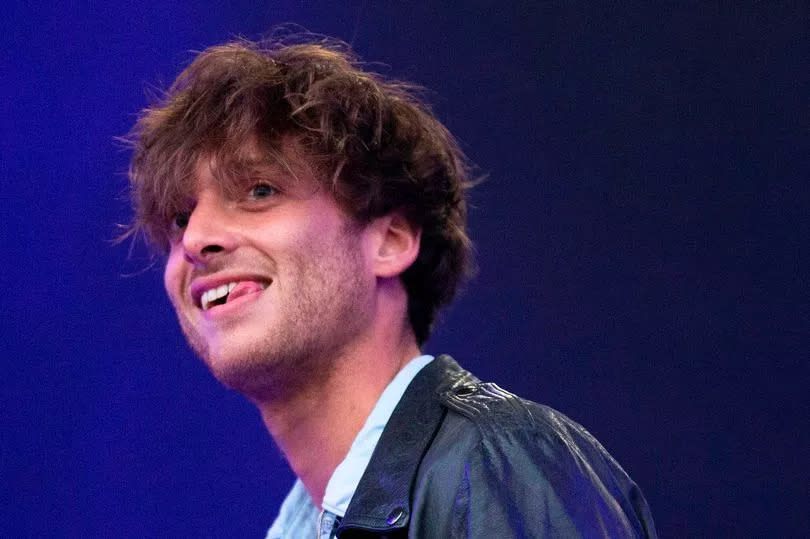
(269, 281)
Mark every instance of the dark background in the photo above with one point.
(642, 244)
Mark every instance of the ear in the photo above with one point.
(395, 245)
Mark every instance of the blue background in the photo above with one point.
(642, 245)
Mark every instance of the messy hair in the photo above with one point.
(376, 145)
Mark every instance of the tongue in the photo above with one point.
(244, 288)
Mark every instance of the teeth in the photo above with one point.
(210, 296)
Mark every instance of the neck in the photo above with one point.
(316, 426)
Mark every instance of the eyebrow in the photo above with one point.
(284, 173)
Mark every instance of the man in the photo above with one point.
(313, 217)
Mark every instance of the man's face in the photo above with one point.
(269, 284)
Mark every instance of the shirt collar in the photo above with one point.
(343, 483)
(344, 480)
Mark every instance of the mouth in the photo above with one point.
(222, 294)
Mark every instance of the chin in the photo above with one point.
(258, 372)
(241, 372)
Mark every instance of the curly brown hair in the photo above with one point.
(376, 145)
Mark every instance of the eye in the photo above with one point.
(262, 190)
(180, 219)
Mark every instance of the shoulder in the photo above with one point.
(483, 419)
(480, 413)
(492, 414)
(496, 452)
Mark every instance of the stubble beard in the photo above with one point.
(323, 311)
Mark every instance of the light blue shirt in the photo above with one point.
(298, 516)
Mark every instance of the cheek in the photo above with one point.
(172, 275)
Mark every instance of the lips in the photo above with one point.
(210, 294)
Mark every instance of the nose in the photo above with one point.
(209, 230)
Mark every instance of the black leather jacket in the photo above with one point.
(462, 458)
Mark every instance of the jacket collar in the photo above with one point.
(382, 499)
